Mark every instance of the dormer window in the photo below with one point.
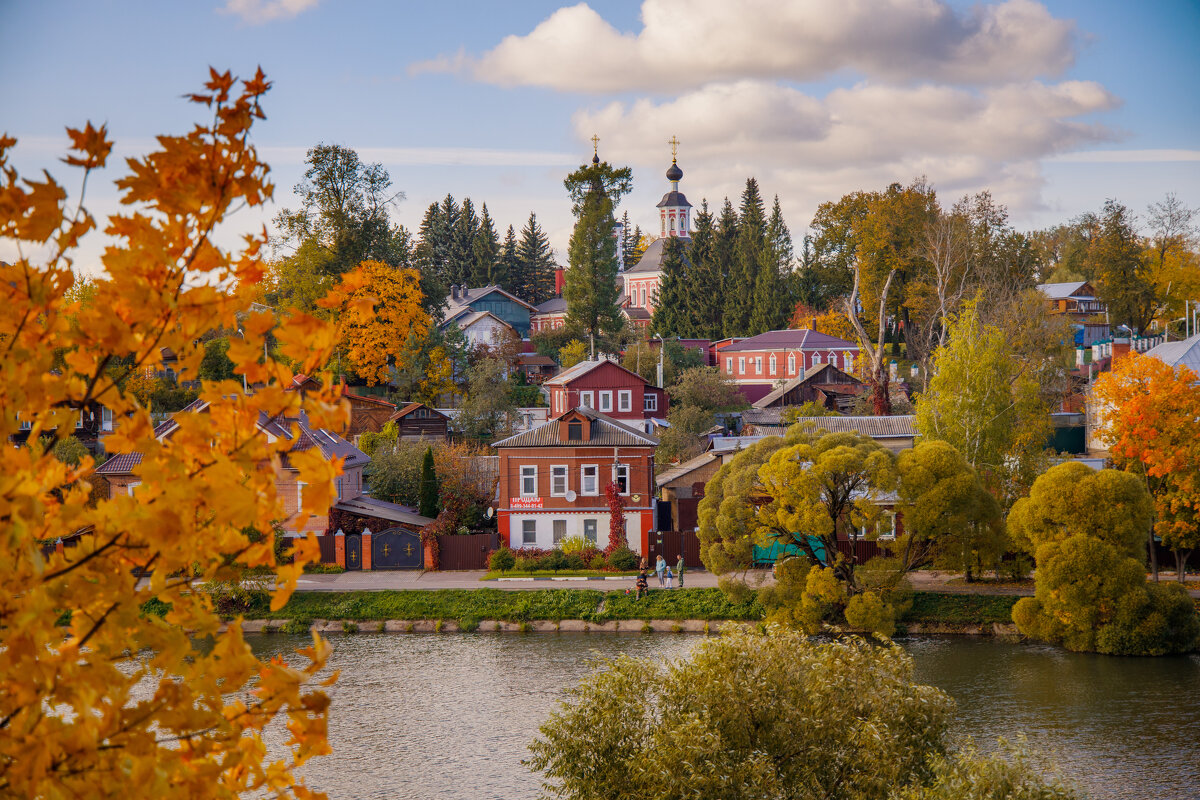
(575, 431)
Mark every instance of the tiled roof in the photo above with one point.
(800, 338)
(606, 432)
(120, 464)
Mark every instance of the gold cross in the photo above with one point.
(595, 144)
(386, 549)
(408, 549)
(674, 144)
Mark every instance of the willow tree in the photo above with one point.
(100, 693)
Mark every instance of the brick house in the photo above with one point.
(762, 363)
(610, 389)
(553, 479)
(549, 315)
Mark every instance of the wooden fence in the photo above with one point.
(669, 544)
(466, 552)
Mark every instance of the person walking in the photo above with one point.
(670, 579)
(679, 567)
(642, 584)
(659, 566)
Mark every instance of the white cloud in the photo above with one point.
(810, 150)
(434, 156)
(1127, 157)
(685, 45)
(256, 12)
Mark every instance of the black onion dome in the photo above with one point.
(596, 158)
(674, 173)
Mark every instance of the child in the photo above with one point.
(642, 585)
(679, 571)
(670, 579)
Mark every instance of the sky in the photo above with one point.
(1053, 107)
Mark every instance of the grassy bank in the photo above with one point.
(592, 605)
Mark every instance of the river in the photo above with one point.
(450, 716)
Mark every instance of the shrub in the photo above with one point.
(526, 564)
(296, 626)
(575, 561)
(623, 559)
(323, 569)
(554, 560)
(502, 560)
(597, 561)
(574, 544)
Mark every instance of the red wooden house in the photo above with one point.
(553, 481)
(610, 389)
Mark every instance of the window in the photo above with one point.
(106, 418)
(79, 422)
(575, 431)
(589, 530)
(773, 370)
(625, 400)
(606, 401)
(758, 365)
(589, 480)
(650, 402)
(560, 530)
(816, 359)
(741, 365)
(529, 531)
(587, 400)
(134, 485)
(833, 359)
(729, 365)
(299, 494)
(643, 297)
(558, 477)
(791, 363)
(339, 488)
(26, 425)
(621, 478)
(529, 481)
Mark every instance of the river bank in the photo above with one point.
(580, 610)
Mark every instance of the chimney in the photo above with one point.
(453, 292)
(813, 324)
(464, 291)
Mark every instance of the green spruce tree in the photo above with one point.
(747, 261)
(508, 264)
(486, 250)
(429, 486)
(772, 290)
(591, 278)
(462, 243)
(703, 305)
(537, 264)
(724, 245)
(671, 311)
(431, 256)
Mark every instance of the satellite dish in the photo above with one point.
(491, 512)
(571, 495)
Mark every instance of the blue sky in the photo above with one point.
(1052, 106)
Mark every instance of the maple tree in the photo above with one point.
(99, 696)
(375, 335)
(1149, 415)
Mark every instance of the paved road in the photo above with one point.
(925, 580)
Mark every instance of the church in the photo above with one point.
(641, 281)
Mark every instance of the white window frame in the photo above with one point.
(339, 487)
(619, 471)
(595, 525)
(300, 495)
(816, 360)
(625, 400)
(758, 365)
(129, 487)
(528, 472)
(558, 531)
(729, 364)
(791, 363)
(741, 365)
(528, 532)
(106, 418)
(833, 360)
(558, 471)
(594, 469)
(650, 402)
(79, 422)
(606, 402)
(587, 399)
(773, 364)
(26, 425)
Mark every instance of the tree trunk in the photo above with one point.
(1153, 556)
(880, 398)
(1181, 559)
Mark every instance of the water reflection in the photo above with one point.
(429, 716)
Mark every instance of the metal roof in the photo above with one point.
(673, 199)
(651, 260)
(1061, 291)
(454, 304)
(791, 339)
(687, 467)
(373, 507)
(554, 305)
(1182, 353)
(606, 432)
(810, 376)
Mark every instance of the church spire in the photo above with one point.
(674, 207)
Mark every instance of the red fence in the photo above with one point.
(669, 544)
(863, 549)
(466, 552)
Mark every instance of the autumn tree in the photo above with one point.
(1086, 531)
(375, 334)
(1172, 254)
(697, 395)
(1116, 257)
(983, 402)
(949, 518)
(572, 353)
(1148, 413)
(102, 694)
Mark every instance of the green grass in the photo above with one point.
(562, 573)
(708, 604)
(961, 609)
(455, 604)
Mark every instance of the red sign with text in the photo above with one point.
(524, 503)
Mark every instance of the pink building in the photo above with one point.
(762, 363)
(641, 281)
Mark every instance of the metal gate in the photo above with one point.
(397, 548)
(466, 552)
(670, 544)
(353, 552)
